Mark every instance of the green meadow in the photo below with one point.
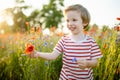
(16, 65)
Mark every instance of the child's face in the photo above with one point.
(74, 22)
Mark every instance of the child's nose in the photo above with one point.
(70, 23)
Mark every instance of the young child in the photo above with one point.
(80, 51)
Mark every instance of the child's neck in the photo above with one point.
(78, 37)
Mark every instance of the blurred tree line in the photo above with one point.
(50, 15)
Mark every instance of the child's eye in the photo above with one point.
(67, 20)
(74, 19)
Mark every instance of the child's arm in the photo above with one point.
(87, 63)
(48, 56)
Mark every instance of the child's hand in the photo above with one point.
(87, 63)
(31, 54)
(82, 64)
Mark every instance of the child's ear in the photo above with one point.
(85, 24)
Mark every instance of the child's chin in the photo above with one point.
(74, 33)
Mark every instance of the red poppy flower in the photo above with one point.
(29, 48)
(118, 18)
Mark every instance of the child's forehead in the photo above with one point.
(76, 11)
(72, 15)
(72, 12)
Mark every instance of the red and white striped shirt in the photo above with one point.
(85, 49)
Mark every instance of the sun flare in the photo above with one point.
(1, 19)
(6, 18)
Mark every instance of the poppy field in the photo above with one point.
(16, 65)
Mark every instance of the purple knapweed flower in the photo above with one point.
(74, 59)
(45, 44)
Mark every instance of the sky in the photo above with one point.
(103, 12)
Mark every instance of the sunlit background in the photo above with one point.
(103, 12)
(40, 24)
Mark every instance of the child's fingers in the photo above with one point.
(82, 63)
(31, 54)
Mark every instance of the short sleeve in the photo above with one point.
(95, 50)
(60, 45)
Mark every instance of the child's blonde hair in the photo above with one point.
(82, 10)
